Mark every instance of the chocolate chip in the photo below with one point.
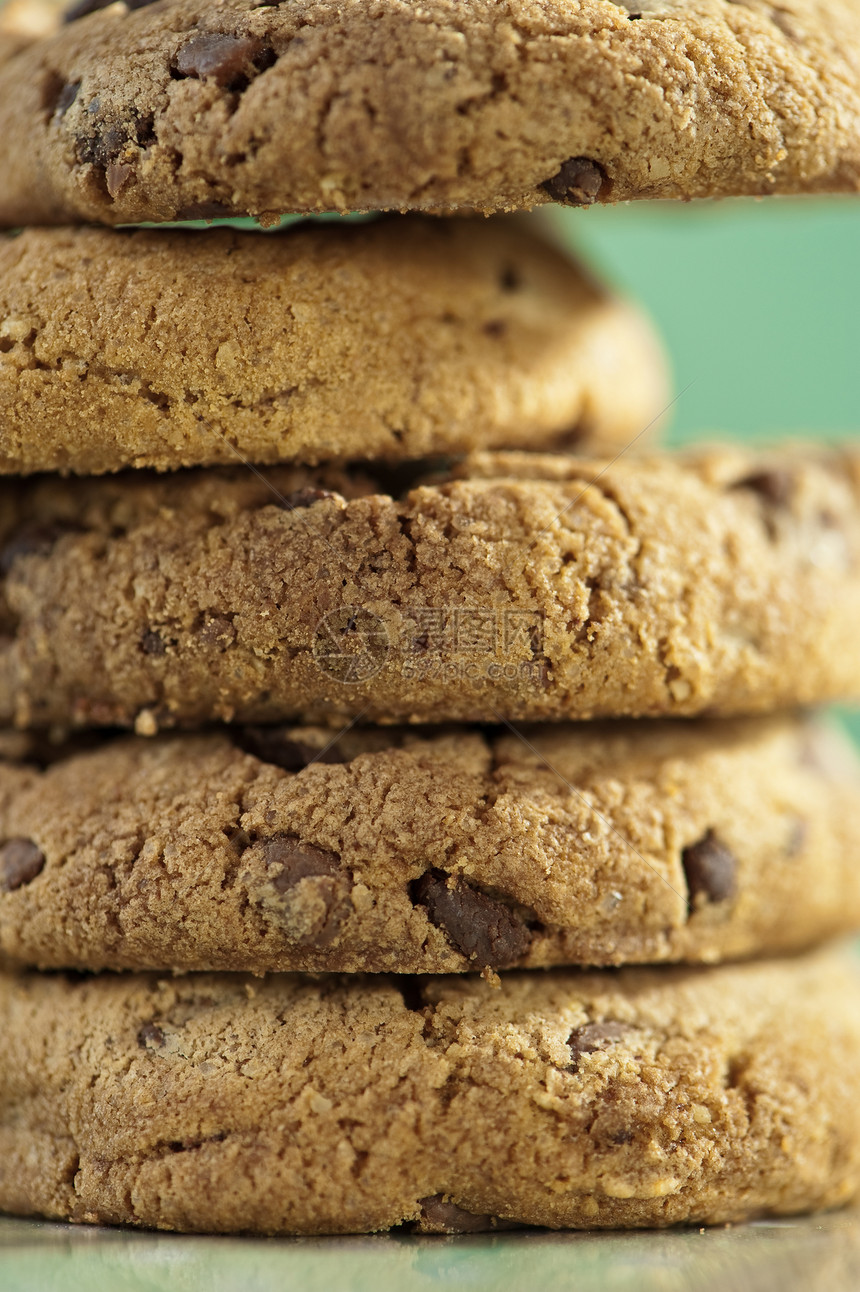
(294, 861)
(111, 146)
(775, 486)
(510, 280)
(152, 643)
(482, 928)
(441, 1217)
(594, 1036)
(117, 175)
(150, 1037)
(84, 7)
(66, 98)
(495, 327)
(32, 540)
(102, 146)
(230, 61)
(21, 861)
(274, 745)
(710, 868)
(313, 884)
(216, 631)
(578, 183)
(305, 498)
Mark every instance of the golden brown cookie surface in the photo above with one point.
(393, 339)
(284, 1105)
(180, 108)
(520, 586)
(431, 851)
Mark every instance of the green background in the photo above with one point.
(757, 302)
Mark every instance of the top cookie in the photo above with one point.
(179, 109)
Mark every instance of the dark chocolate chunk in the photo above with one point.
(594, 1036)
(21, 861)
(775, 486)
(102, 144)
(710, 869)
(578, 183)
(482, 928)
(274, 745)
(290, 864)
(66, 98)
(150, 1037)
(117, 175)
(230, 61)
(84, 7)
(217, 631)
(439, 1216)
(152, 643)
(295, 860)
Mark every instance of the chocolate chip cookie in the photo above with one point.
(180, 109)
(393, 339)
(338, 1105)
(274, 848)
(516, 586)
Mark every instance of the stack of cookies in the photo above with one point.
(368, 710)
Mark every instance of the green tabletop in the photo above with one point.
(822, 1252)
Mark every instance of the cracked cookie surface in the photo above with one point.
(220, 1103)
(177, 109)
(411, 851)
(517, 586)
(391, 339)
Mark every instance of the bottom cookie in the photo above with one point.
(331, 1105)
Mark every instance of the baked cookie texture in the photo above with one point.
(179, 109)
(429, 851)
(565, 1099)
(516, 586)
(392, 339)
